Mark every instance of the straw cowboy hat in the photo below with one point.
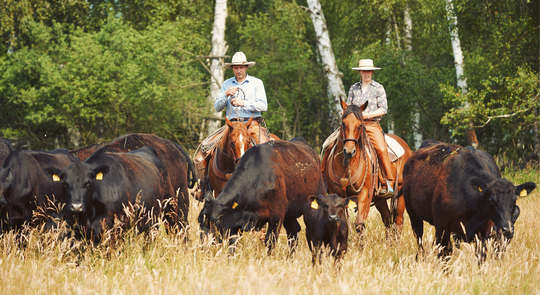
(239, 59)
(366, 65)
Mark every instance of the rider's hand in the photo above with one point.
(231, 91)
(237, 101)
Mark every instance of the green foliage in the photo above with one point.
(104, 84)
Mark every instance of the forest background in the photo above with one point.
(78, 72)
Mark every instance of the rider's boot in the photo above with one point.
(387, 190)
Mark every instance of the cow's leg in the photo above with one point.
(99, 223)
(272, 234)
(443, 239)
(382, 205)
(417, 225)
(293, 228)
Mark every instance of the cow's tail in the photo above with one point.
(191, 179)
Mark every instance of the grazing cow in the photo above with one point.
(459, 190)
(327, 225)
(24, 187)
(100, 188)
(271, 184)
(174, 156)
(5, 149)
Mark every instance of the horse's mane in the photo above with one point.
(353, 109)
(224, 137)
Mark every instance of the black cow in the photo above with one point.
(270, 184)
(327, 225)
(24, 186)
(174, 156)
(459, 190)
(100, 188)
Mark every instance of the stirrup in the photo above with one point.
(387, 192)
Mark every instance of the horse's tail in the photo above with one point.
(192, 179)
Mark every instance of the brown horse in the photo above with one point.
(235, 141)
(351, 169)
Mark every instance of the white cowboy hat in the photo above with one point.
(239, 59)
(366, 65)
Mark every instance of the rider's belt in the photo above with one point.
(258, 119)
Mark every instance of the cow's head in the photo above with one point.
(501, 195)
(333, 207)
(227, 217)
(78, 181)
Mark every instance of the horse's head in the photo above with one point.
(239, 138)
(352, 128)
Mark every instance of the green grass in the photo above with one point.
(135, 264)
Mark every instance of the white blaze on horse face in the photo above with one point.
(242, 147)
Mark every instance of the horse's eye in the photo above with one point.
(232, 145)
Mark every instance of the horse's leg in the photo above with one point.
(382, 206)
(364, 204)
(291, 225)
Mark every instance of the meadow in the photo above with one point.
(180, 263)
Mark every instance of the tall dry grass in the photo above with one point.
(41, 262)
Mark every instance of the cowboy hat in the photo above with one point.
(239, 59)
(366, 65)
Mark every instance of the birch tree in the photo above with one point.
(217, 56)
(417, 132)
(458, 62)
(336, 91)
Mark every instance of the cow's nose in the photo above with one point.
(508, 232)
(76, 207)
(333, 218)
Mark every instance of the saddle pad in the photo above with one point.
(393, 148)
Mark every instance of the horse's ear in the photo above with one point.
(343, 104)
(364, 106)
(248, 123)
(228, 122)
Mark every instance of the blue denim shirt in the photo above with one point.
(254, 100)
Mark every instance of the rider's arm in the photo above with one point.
(221, 99)
(259, 104)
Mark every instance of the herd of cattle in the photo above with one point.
(458, 190)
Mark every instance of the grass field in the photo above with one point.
(134, 264)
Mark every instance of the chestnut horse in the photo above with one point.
(351, 169)
(235, 141)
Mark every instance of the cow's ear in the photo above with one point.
(523, 190)
(351, 202)
(52, 172)
(313, 201)
(478, 184)
(101, 171)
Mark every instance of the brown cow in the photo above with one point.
(327, 225)
(459, 190)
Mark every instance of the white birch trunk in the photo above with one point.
(219, 48)
(416, 129)
(456, 46)
(336, 91)
(458, 62)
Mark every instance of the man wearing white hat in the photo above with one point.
(246, 93)
(372, 92)
(244, 97)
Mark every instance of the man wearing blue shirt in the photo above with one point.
(244, 97)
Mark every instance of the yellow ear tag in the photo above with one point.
(234, 205)
(351, 205)
(479, 188)
(314, 204)
(523, 193)
(55, 177)
(99, 176)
